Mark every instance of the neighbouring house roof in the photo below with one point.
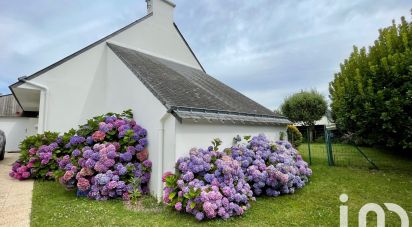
(190, 93)
(9, 107)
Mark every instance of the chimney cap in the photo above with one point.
(157, 6)
(150, 4)
(170, 3)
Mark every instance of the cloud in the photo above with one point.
(271, 49)
(37, 35)
(266, 49)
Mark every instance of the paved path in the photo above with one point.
(15, 196)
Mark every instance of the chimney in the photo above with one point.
(162, 9)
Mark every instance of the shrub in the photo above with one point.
(294, 136)
(305, 106)
(37, 157)
(281, 135)
(271, 169)
(207, 184)
(371, 93)
(214, 184)
(108, 156)
(103, 159)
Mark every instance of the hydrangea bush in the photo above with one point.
(208, 184)
(37, 157)
(107, 155)
(271, 168)
(105, 158)
(213, 184)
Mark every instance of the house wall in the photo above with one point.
(96, 81)
(77, 89)
(157, 36)
(189, 135)
(170, 143)
(128, 92)
(16, 129)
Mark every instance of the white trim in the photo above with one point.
(43, 102)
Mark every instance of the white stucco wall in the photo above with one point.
(77, 89)
(128, 92)
(157, 36)
(170, 143)
(16, 129)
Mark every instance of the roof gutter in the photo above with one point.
(44, 93)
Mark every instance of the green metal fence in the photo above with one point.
(346, 155)
(339, 155)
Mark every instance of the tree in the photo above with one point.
(372, 94)
(294, 136)
(305, 106)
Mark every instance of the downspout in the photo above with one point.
(45, 92)
(161, 132)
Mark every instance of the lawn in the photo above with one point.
(317, 204)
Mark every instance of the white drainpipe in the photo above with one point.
(161, 157)
(45, 92)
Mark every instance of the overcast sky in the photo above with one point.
(265, 49)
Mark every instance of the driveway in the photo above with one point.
(15, 196)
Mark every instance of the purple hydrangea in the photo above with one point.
(100, 171)
(221, 184)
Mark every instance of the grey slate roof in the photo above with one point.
(9, 107)
(190, 93)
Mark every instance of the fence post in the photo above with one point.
(328, 143)
(308, 136)
(332, 162)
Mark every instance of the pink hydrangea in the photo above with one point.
(30, 165)
(32, 151)
(68, 175)
(178, 206)
(143, 155)
(83, 184)
(98, 136)
(25, 175)
(86, 172)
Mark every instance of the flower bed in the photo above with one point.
(208, 184)
(214, 184)
(105, 158)
(114, 155)
(271, 169)
(37, 154)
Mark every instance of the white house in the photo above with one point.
(148, 67)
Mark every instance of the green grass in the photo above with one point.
(348, 156)
(317, 204)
